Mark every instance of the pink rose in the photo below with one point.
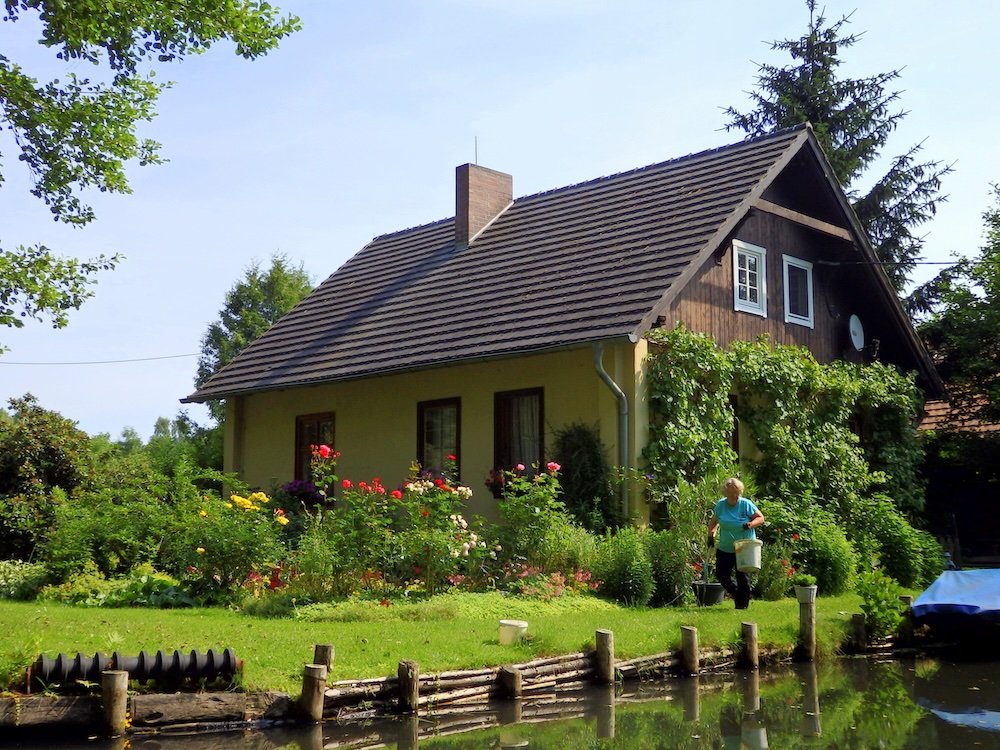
(397, 494)
(324, 451)
(552, 466)
(519, 467)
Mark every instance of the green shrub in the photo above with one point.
(88, 588)
(910, 556)
(879, 603)
(670, 554)
(146, 587)
(531, 510)
(566, 548)
(624, 568)
(21, 580)
(585, 478)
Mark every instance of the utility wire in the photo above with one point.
(100, 361)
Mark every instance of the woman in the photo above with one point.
(737, 517)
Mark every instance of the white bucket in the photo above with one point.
(512, 631)
(805, 594)
(748, 555)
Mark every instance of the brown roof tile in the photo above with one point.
(561, 268)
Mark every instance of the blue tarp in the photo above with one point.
(962, 592)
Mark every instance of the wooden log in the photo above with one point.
(323, 653)
(38, 711)
(586, 662)
(408, 737)
(551, 660)
(157, 710)
(604, 658)
(806, 650)
(114, 700)
(313, 695)
(409, 686)
(751, 691)
(511, 681)
(432, 686)
(689, 649)
(749, 655)
(455, 695)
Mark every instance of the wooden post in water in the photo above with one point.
(858, 635)
(313, 691)
(749, 656)
(409, 734)
(604, 658)
(311, 738)
(751, 691)
(807, 630)
(409, 686)
(810, 703)
(323, 653)
(511, 681)
(689, 649)
(691, 697)
(114, 697)
(606, 714)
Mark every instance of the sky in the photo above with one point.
(354, 126)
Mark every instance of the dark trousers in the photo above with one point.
(725, 567)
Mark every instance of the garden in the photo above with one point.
(834, 467)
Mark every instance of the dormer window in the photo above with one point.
(749, 278)
(798, 276)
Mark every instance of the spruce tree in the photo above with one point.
(853, 119)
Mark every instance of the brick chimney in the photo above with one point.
(481, 195)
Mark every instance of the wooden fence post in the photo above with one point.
(605, 657)
(606, 714)
(114, 696)
(511, 681)
(313, 691)
(323, 653)
(689, 649)
(691, 697)
(409, 686)
(807, 630)
(749, 655)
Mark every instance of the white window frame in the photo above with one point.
(788, 262)
(745, 249)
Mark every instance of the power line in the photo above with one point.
(97, 362)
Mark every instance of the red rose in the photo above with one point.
(324, 451)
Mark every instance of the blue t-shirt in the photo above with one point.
(731, 520)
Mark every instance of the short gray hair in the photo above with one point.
(733, 482)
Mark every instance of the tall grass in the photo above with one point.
(451, 631)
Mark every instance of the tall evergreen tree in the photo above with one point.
(852, 119)
(252, 306)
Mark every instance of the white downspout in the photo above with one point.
(623, 452)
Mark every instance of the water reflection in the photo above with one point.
(852, 704)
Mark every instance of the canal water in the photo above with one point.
(859, 703)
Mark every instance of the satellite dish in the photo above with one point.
(857, 332)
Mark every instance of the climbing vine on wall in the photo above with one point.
(807, 420)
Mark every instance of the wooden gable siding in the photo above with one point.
(706, 304)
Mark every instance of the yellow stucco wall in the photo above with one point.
(376, 418)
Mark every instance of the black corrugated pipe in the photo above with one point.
(622, 419)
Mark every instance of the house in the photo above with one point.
(477, 336)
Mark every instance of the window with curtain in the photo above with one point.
(438, 433)
(311, 429)
(518, 428)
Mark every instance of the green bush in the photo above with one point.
(567, 548)
(530, 510)
(88, 588)
(624, 568)
(907, 554)
(146, 587)
(670, 554)
(21, 580)
(585, 478)
(879, 603)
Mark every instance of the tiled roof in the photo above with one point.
(562, 268)
(939, 415)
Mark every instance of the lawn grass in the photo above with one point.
(452, 631)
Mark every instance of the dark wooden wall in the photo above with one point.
(706, 304)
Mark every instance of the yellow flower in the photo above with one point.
(259, 497)
(283, 520)
(202, 512)
(229, 505)
(200, 550)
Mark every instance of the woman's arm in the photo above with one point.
(757, 519)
